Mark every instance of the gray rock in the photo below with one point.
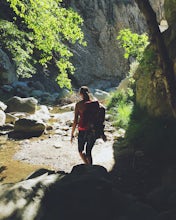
(10, 118)
(7, 88)
(2, 118)
(42, 114)
(17, 104)
(28, 128)
(2, 106)
(100, 94)
(19, 84)
(36, 93)
(46, 196)
(22, 200)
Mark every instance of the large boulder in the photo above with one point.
(28, 128)
(22, 200)
(17, 104)
(85, 193)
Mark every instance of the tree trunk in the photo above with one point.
(158, 42)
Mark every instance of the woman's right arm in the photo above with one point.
(75, 122)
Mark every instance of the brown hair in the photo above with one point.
(84, 90)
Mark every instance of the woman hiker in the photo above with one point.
(86, 140)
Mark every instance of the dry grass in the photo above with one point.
(12, 171)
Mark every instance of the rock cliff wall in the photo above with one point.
(151, 91)
(101, 63)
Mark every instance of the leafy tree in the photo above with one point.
(45, 31)
(134, 44)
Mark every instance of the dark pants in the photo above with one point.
(86, 141)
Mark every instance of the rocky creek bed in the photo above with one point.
(61, 187)
(53, 148)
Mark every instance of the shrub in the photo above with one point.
(119, 105)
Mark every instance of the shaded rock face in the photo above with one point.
(151, 93)
(101, 64)
(158, 6)
(7, 69)
(170, 11)
(170, 33)
(150, 86)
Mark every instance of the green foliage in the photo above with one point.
(149, 62)
(47, 29)
(18, 43)
(133, 44)
(62, 78)
(119, 105)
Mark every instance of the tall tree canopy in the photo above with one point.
(41, 31)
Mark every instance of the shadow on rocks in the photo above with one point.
(20, 135)
(83, 194)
